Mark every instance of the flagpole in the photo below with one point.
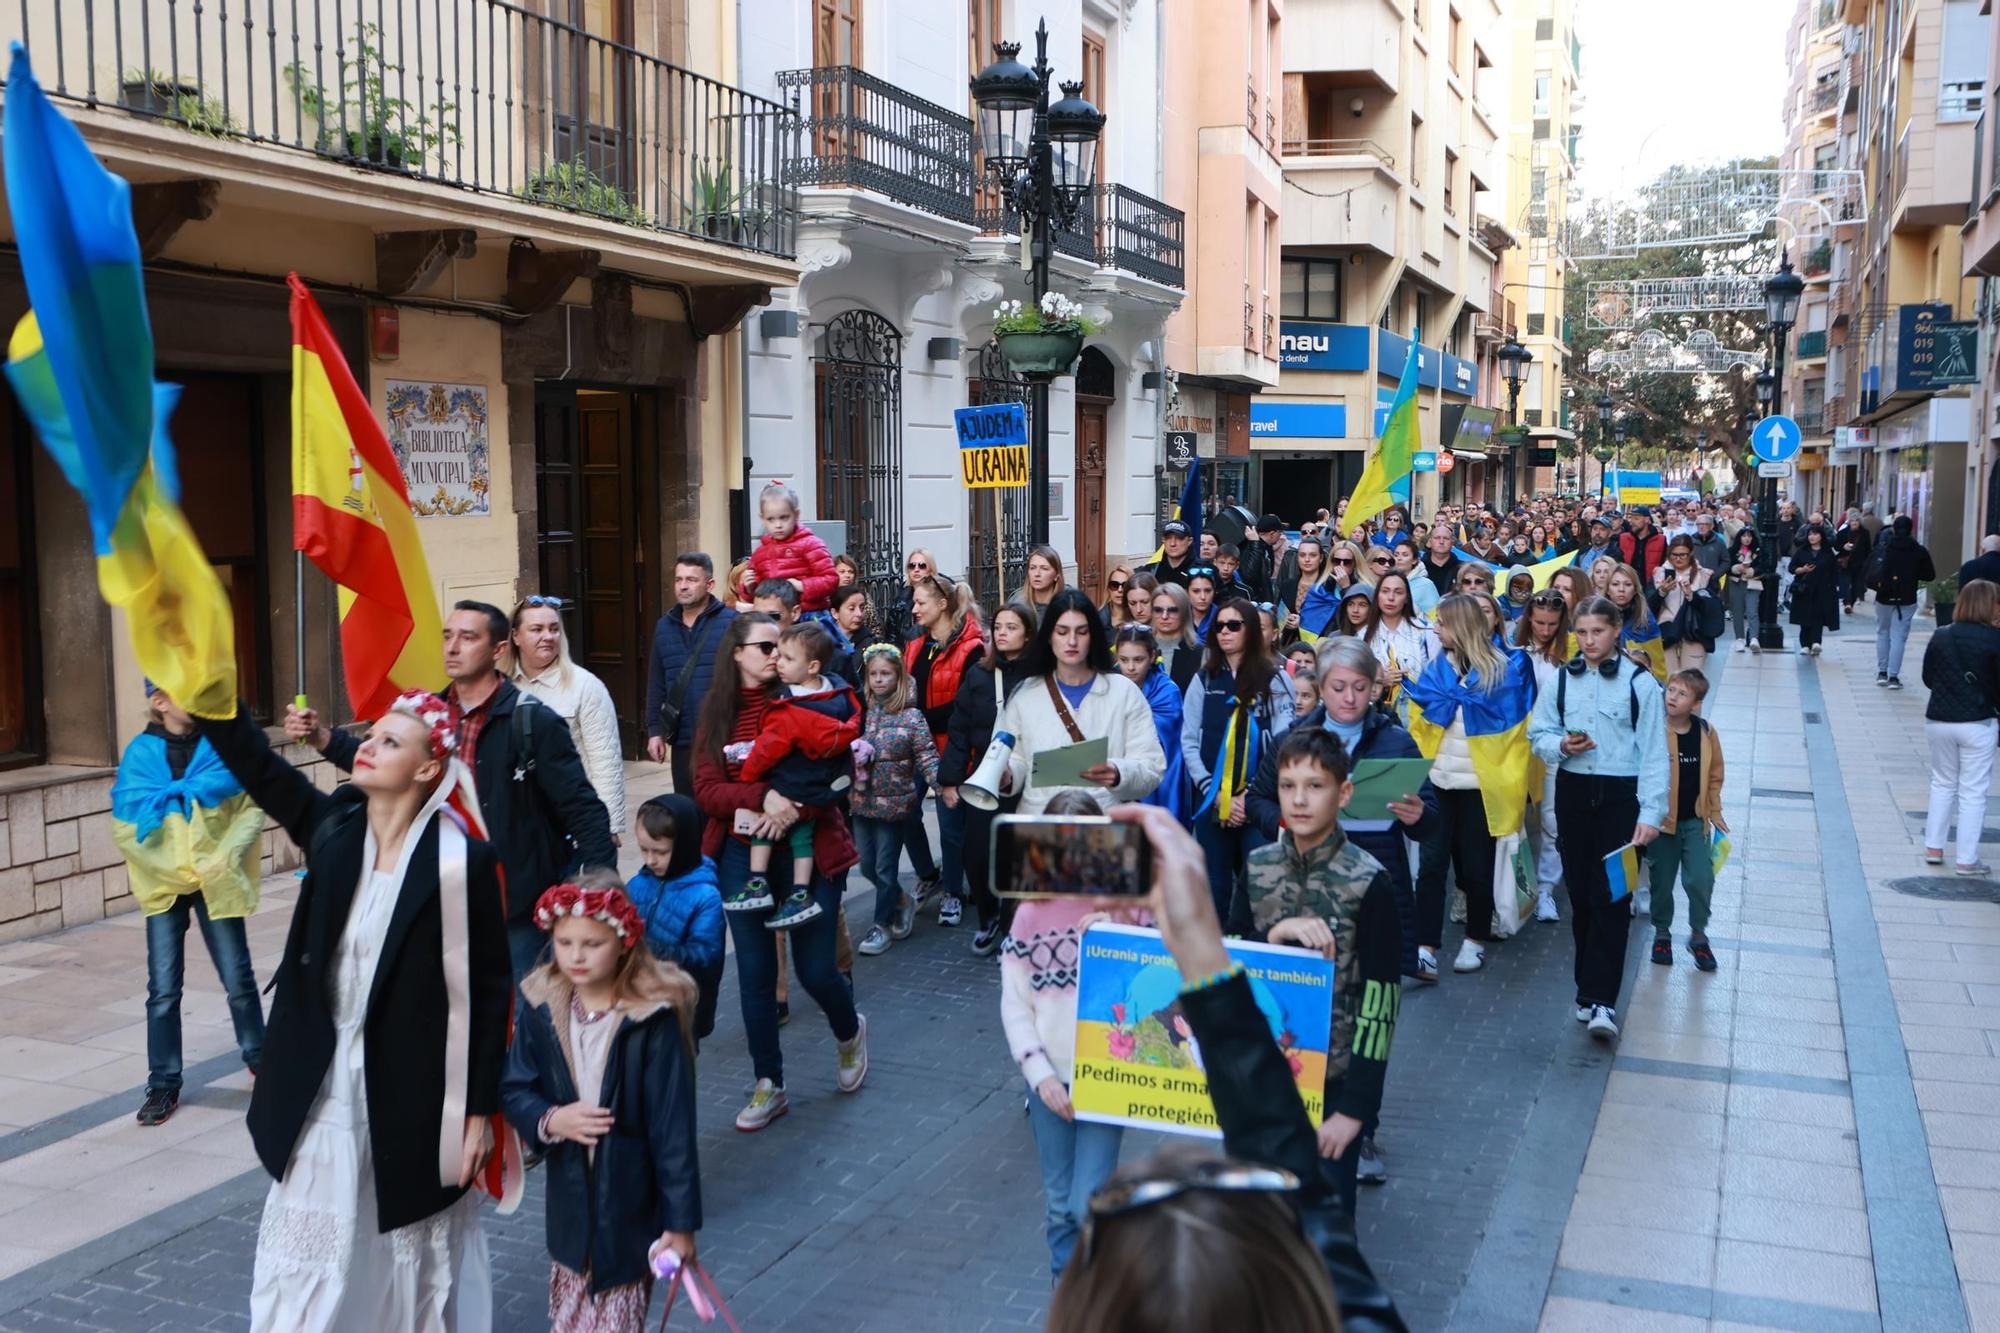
(299, 621)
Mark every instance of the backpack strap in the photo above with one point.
(524, 735)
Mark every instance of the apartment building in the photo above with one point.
(1544, 103)
(1981, 240)
(906, 248)
(532, 231)
(1900, 344)
(1391, 235)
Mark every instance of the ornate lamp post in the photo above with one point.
(1514, 359)
(1618, 454)
(1781, 311)
(1603, 450)
(1043, 157)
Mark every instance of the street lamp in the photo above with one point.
(1618, 453)
(1043, 158)
(1603, 450)
(1514, 359)
(1781, 311)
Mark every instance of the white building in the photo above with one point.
(852, 377)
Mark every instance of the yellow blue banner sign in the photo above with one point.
(992, 445)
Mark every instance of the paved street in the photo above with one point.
(1802, 1140)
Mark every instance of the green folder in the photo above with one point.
(1380, 781)
(1064, 767)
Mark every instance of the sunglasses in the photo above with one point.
(916, 565)
(767, 647)
(1120, 585)
(1338, 561)
(539, 600)
(1168, 610)
(1549, 600)
(1378, 559)
(1476, 583)
(1127, 1196)
(1230, 626)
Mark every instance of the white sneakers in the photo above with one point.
(853, 1064)
(1603, 1022)
(1427, 967)
(1471, 957)
(1583, 1011)
(1545, 907)
(767, 1102)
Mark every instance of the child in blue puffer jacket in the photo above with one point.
(678, 899)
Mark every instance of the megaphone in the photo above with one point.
(982, 789)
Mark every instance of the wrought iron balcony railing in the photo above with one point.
(856, 131)
(474, 94)
(1811, 346)
(1117, 227)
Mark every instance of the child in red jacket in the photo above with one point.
(788, 550)
(805, 753)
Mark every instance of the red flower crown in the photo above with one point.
(609, 906)
(435, 714)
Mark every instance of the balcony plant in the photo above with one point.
(1042, 339)
(574, 186)
(1820, 259)
(717, 209)
(152, 93)
(360, 120)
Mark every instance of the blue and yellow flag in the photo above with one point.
(1719, 847)
(1395, 452)
(1621, 872)
(1187, 511)
(81, 363)
(1496, 730)
(1316, 612)
(1642, 636)
(1543, 572)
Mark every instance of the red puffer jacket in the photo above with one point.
(946, 670)
(801, 556)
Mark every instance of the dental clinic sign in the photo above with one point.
(1303, 346)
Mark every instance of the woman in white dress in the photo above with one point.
(543, 667)
(373, 1108)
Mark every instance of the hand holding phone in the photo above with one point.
(1051, 856)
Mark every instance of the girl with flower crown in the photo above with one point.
(601, 1076)
(377, 1102)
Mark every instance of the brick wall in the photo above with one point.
(58, 864)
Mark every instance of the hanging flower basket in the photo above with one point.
(1040, 353)
(1043, 339)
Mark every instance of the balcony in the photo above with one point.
(856, 132)
(1826, 96)
(1117, 228)
(1811, 346)
(476, 95)
(1812, 421)
(1348, 195)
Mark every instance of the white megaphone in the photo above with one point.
(982, 789)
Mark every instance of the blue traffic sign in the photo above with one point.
(1776, 439)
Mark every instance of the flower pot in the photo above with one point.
(155, 97)
(1943, 610)
(1040, 353)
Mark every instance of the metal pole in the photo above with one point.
(299, 623)
(1041, 184)
(1771, 635)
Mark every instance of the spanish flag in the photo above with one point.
(81, 363)
(1395, 452)
(1496, 730)
(351, 516)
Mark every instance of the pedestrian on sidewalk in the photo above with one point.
(1743, 588)
(675, 893)
(1686, 609)
(1038, 974)
(601, 1076)
(543, 667)
(894, 762)
(948, 639)
(1962, 672)
(682, 664)
(1694, 811)
(1604, 727)
(982, 693)
(191, 837)
(1543, 637)
(1850, 549)
(1314, 889)
(733, 712)
(1898, 567)
(1815, 588)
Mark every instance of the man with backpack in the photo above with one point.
(541, 812)
(683, 663)
(1897, 567)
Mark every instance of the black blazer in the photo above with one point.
(536, 814)
(605, 1209)
(405, 1023)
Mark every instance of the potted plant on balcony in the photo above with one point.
(1042, 339)
(1820, 259)
(151, 93)
(574, 186)
(1944, 596)
(360, 120)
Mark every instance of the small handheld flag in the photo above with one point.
(1621, 871)
(1719, 847)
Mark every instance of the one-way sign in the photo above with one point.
(1776, 439)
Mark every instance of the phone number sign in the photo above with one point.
(992, 445)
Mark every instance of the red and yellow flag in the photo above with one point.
(351, 516)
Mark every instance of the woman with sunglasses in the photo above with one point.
(984, 688)
(1234, 707)
(1379, 560)
(1543, 637)
(1343, 566)
(899, 621)
(543, 667)
(1173, 629)
(731, 715)
(948, 638)
(1116, 584)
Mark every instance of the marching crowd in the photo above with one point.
(1546, 663)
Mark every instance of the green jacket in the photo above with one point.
(1349, 890)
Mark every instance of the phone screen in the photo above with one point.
(1054, 856)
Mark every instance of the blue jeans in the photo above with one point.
(1892, 631)
(166, 958)
(1077, 1157)
(525, 942)
(881, 846)
(757, 961)
(917, 840)
(951, 835)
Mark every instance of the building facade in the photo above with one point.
(906, 248)
(532, 232)
(1392, 174)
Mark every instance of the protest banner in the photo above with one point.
(1137, 1062)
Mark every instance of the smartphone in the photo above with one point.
(746, 823)
(1056, 856)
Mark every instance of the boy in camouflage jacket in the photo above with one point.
(1315, 889)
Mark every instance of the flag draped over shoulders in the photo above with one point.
(81, 364)
(351, 516)
(1496, 729)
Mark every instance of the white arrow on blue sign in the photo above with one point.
(1776, 439)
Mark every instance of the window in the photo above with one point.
(1450, 176)
(1541, 94)
(1457, 30)
(983, 29)
(1416, 152)
(1545, 30)
(837, 34)
(1093, 85)
(1423, 319)
(1542, 129)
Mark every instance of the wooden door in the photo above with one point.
(218, 424)
(21, 716)
(1093, 430)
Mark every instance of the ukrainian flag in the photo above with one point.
(1317, 611)
(81, 363)
(1496, 730)
(1543, 572)
(1643, 637)
(1395, 453)
(1719, 847)
(1621, 872)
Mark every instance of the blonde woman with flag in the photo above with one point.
(1604, 729)
(1468, 712)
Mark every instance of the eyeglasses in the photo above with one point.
(1127, 1196)
(1230, 626)
(1120, 585)
(1378, 559)
(1548, 600)
(1165, 609)
(1338, 561)
(766, 647)
(539, 600)
(916, 565)
(1475, 583)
